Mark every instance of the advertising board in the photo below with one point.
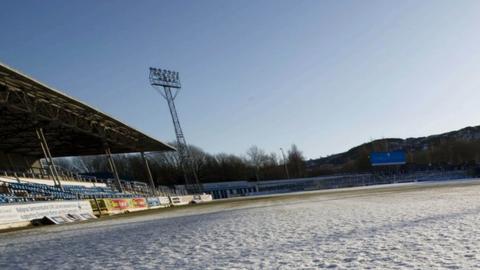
(12, 214)
(387, 158)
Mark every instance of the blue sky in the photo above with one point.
(325, 75)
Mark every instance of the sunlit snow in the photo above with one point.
(433, 227)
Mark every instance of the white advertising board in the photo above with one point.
(206, 197)
(164, 200)
(181, 200)
(11, 214)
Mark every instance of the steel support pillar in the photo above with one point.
(113, 168)
(42, 172)
(10, 162)
(149, 172)
(12, 167)
(28, 166)
(48, 157)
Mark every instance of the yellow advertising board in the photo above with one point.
(118, 205)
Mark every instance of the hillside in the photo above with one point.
(455, 148)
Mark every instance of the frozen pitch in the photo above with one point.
(407, 226)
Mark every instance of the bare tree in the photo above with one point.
(257, 158)
(199, 159)
(296, 161)
(271, 160)
(166, 168)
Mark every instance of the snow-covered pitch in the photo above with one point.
(433, 225)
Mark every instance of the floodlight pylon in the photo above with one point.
(167, 83)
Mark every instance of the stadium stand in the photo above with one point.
(221, 190)
(14, 192)
(39, 123)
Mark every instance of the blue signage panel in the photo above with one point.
(387, 158)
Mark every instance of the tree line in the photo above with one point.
(256, 164)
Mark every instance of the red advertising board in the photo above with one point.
(139, 202)
(119, 204)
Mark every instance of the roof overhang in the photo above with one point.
(71, 127)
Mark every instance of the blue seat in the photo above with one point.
(45, 192)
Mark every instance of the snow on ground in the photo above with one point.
(434, 227)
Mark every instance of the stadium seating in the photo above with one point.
(6, 198)
(26, 192)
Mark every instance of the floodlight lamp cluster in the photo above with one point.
(164, 77)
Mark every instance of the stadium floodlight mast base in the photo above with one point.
(167, 83)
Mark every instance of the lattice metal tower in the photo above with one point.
(167, 83)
